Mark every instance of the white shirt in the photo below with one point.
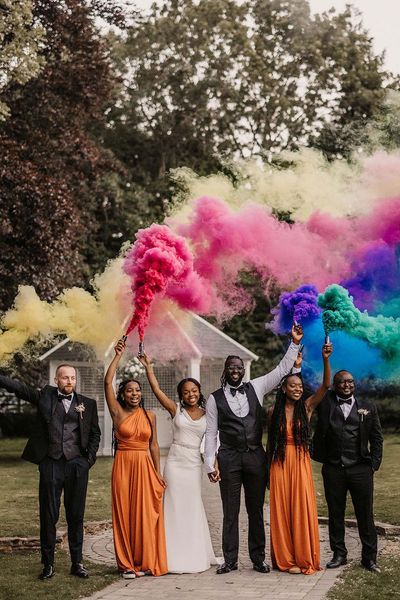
(239, 403)
(65, 401)
(346, 408)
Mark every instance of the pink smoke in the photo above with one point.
(224, 242)
(160, 263)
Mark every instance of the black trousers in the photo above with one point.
(358, 480)
(250, 470)
(72, 477)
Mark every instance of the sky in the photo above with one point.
(380, 17)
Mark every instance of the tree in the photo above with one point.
(51, 166)
(20, 39)
(215, 77)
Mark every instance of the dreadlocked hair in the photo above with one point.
(228, 358)
(121, 401)
(202, 401)
(277, 426)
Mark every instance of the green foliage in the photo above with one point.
(211, 78)
(52, 166)
(20, 40)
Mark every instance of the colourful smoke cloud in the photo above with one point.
(95, 319)
(345, 230)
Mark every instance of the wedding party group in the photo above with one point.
(159, 520)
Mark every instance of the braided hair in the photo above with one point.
(121, 401)
(228, 358)
(202, 401)
(277, 436)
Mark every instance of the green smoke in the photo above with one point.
(339, 312)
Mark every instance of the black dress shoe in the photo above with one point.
(48, 571)
(226, 568)
(371, 566)
(262, 567)
(337, 561)
(79, 570)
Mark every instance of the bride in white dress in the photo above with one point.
(189, 548)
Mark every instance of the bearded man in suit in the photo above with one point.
(64, 444)
(348, 441)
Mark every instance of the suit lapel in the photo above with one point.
(80, 400)
(54, 400)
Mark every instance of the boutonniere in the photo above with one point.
(363, 412)
(80, 409)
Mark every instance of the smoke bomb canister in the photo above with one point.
(141, 349)
(124, 338)
(327, 339)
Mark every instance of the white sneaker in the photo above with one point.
(128, 575)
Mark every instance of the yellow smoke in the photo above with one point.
(95, 319)
(310, 184)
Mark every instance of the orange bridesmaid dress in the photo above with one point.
(293, 511)
(137, 494)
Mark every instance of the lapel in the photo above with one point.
(54, 400)
(80, 400)
(332, 407)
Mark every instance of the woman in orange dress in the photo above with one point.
(293, 509)
(137, 485)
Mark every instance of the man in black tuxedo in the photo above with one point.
(64, 445)
(235, 412)
(348, 441)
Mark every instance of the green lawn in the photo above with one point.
(358, 584)
(18, 578)
(387, 485)
(19, 483)
(19, 508)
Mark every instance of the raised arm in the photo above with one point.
(157, 391)
(114, 407)
(22, 390)
(265, 384)
(313, 401)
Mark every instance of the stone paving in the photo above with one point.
(243, 584)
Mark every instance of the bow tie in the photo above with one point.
(62, 397)
(344, 401)
(238, 389)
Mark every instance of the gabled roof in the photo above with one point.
(193, 337)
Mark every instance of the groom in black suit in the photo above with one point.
(64, 445)
(348, 441)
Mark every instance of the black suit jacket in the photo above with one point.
(46, 400)
(371, 438)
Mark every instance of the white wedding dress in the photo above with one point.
(189, 548)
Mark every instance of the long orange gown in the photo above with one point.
(137, 493)
(293, 511)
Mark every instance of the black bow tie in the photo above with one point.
(62, 397)
(238, 389)
(344, 401)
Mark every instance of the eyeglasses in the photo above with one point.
(343, 381)
(234, 368)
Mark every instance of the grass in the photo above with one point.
(357, 583)
(19, 505)
(386, 481)
(20, 490)
(18, 578)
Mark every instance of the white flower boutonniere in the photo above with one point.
(363, 412)
(80, 409)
